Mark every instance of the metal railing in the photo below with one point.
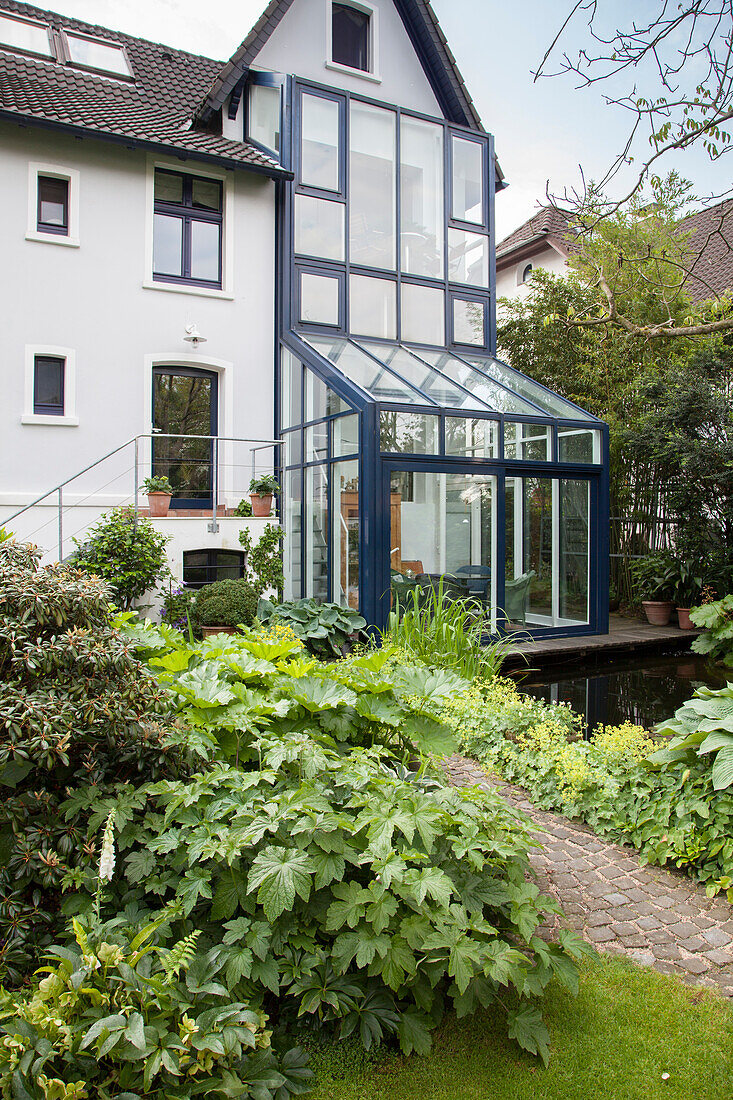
(140, 464)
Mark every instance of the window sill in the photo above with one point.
(50, 421)
(373, 78)
(199, 291)
(52, 238)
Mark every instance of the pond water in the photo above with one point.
(644, 690)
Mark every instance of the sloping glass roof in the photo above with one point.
(401, 374)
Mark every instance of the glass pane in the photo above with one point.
(529, 442)
(345, 533)
(316, 442)
(345, 436)
(423, 377)
(373, 307)
(372, 213)
(168, 187)
(316, 533)
(206, 194)
(468, 258)
(292, 390)
(97, 55)
(293, 448)
(497, 398)
(443, 530)
(182, 405)
(423, 314)
(320, 228)
(409, 433)
(319, 165)
(350, 37)
(469, 322)
(205, 250)
(574, 544)
(320, 400)
(468, 181)
(293, 521)
(167, 245)
(24, 36)
(49, 384)
(421, 183)
(544, 400)
(319, 299)
(579, 445)
(471, 438)
(362, 370)
(530, 580)
(263, 118)
(53, 201)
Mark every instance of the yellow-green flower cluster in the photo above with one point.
(277, 631)
(627, 742)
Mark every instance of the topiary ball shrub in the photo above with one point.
(126, 551)
(76, 708)
(226, 603)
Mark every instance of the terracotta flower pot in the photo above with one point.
(158, 504)
(683, 619)
(261, 506)
(658, 612)
(208, 631)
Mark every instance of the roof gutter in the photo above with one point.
(143, 143)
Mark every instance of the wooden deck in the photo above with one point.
(625, 636)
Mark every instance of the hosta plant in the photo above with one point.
(702, 726)
(118, 1018)
(325, 628)
(344, 892)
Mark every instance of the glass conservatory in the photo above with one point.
(413, 457)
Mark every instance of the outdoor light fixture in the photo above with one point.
(193, 336)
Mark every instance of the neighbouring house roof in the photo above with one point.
(156, 109)
(547, 228)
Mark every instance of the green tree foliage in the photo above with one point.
(76, 706)
(127, 551)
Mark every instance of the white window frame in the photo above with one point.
(69, 419)
(374, 72)
(59, 172)
(226, 178)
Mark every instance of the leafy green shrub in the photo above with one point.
(325, 628)
(76, 706)
(444, 632)
(244, 508)
(115, 1018)
(157, 484)
(654, 577)
(717, 641)
(264, 562)
(668, 810)
(264, 486)
(226, 603)
(127, 552)
(702, 725)
(344, 890)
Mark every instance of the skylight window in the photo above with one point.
(21, 35)
(91, 53)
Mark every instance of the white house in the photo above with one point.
(290, 256)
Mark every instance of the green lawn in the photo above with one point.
(625, 1029)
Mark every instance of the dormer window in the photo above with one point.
(92, 53)
(350, 34)
(19, 34)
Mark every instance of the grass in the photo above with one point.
(626, 1028)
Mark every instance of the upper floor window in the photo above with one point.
(264, 109)
(19, 34)
(350, 34)
(526, 272)
(92, 53)
(48, 385)
(187, 229)
(53, 205)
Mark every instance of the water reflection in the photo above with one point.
(642, 690)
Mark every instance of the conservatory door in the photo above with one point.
(185, 403)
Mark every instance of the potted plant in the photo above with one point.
(159, 491)
(688, 586)
(654, 583)
(224, 606)
(261, 492)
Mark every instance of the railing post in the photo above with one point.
(253, 451)
(137, 477)
(214, 525)
(61, 524)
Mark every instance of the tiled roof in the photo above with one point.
(547, 222)
(711, 243)
(154, 109)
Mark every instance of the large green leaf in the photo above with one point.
(316, 693)
(723, 769)
(526, 1026)
(278, 874)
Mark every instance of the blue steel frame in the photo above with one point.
(375, 467)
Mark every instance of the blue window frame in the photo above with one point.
(53, 205)
(264, 115)
(48, 385)
(187, 229)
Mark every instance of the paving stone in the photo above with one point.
(716, 937)
(597, 920)
(615, 899)
(720, 958)
(643, 958)
(646, 923)
(600, 935)
(694, 943)
(695, 965)
(635, 939)
(683, 930)
(666, 951)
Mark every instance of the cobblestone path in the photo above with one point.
(653, 916)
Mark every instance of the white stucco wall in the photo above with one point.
(92, 301)
(508, 281)
(299, 46)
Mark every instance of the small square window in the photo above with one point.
(53, 205)
(48, 385)
(350, 37)
(320, 299)
(469, 322)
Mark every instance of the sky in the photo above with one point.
(549, 133)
